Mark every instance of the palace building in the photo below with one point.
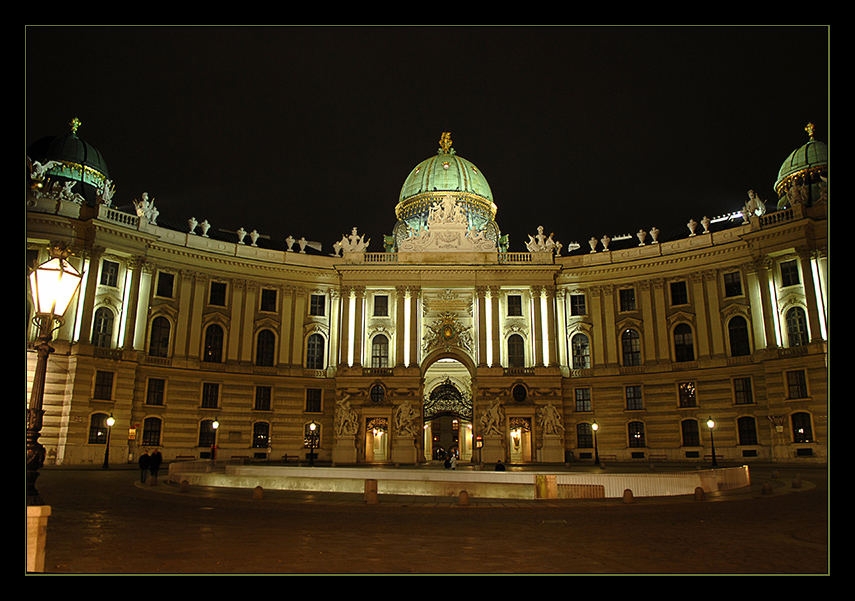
(446, 341)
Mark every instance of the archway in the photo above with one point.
(447, 410)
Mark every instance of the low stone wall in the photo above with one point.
(497, 485)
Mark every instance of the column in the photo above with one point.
(191, 298)
(495, 325)
(285, 324)
(247, 324)
(537, 327)
(608, 305)
(702, 333)
(335, 332)
(711, 279)
(400, 324)
(810, 295)
(663, 344)
(764, 267)
(595, 310)
(134, 267)
(298, 318)
(415, 330)
(648, 322)
(233, 335)
(89, 295)
(358, 325)
(481, 296)
(551, 333)
(344, 339)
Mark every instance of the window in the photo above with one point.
(381, 305)
(584, 436)
(268, 300)
(155, 391)
(217, 294)
(103, 385)
(691, 434)
(789, 273)
(158, 344)
(98, 428)
(380, 351)
(317, 304)
(207, 434)
(633, 398)
(263, 398)
(679, 293)
(260, 435)
(377, 394)
(313, 400)
(583, 399)
(635, 431)
(213, 352)
(109, 273)
(315, 352)
(516, 351)
(210, 395)
(514, 305)
(626, 298)
(630, 343)
(165, 282)
(797, 333)
(742, 391)
(796, 384)
(102, 330)
(265, 348)
(519, 393)
(581, 351)
(684, 348)
(577, 304)
(737, 329)
(802, 431)
(151, 432)
(746, 428)
(687, 394)
(732, 284)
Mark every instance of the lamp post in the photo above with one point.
(313, 439)
(110, 421)
(594, 427)
(52, 286)
(711, 426)
(214, 425)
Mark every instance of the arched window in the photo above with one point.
(380, 351)
(158, 343)
(581, 350)
(746, 428)
(797, 332)
(737, 329)
(151, 432)
(260, 435)
(315, 352)
(102, 328)
(516, 351)
(635, 431)
(684, 348)
(98, 428)
(802, 430)
(213, 352)
(690, 432)
(377, 394)
(630, 343)
(265, 348)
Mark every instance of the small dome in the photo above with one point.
(806, 166)
(72, 158)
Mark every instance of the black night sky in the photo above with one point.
(310, 131)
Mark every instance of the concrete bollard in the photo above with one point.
(371, 492)
(463, 498)
(37, 521)
(627, 496)
(184, 486)
(797, 481)
(257, 493)
(700, 495)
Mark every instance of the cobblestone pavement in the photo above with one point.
(106, 522)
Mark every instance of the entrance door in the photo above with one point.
(376, 440)
(520, 442)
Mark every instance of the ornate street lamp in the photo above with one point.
(110, 421)
(214, 425)
(52, 285)
(711, 426)
(313, 442)
(594, 427)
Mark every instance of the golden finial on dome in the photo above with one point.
(75, 123)
(810, 128)
(445, 142)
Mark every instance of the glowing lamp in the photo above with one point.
(53, 285)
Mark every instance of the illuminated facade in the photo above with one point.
(446, 340)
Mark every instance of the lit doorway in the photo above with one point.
(376, 440)
(520, 442)
(447, 411)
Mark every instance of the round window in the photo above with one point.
(519, 393)
(377, 393)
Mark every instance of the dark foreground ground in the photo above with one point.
(106, 522)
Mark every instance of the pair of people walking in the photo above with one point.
(150, 464)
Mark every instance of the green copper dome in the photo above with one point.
(806, 166)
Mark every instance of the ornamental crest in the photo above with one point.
(447, 333)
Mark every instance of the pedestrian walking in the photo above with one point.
(154, 465)
(145, 463)
(453, 462)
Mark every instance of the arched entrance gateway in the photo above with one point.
(447, 411)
